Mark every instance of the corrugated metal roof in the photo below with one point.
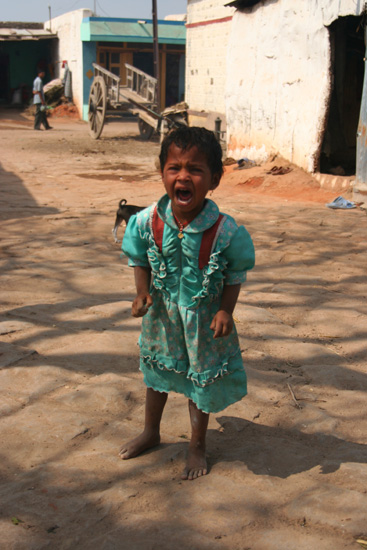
(19, 34)
(98, 29)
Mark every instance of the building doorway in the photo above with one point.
(4, 78)
(338, 151)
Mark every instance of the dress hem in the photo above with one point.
(212, 398)
(185, 394)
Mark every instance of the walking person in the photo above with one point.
(39, 102)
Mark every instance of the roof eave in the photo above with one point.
(132, 39)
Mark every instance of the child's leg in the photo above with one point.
(196, 460)
(150, 437)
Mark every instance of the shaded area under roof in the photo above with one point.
(98, 29)
(243, 3)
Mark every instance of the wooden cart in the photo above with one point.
(138, 96)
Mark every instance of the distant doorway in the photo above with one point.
(4, 78)
(338, 152)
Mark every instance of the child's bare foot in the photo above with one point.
(196, 465)
(142, 443)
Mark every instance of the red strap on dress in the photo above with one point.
(206, 241)
(158, 227)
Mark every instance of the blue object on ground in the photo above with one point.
(342, 203)
(245, 163)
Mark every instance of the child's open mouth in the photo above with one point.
(183, 196)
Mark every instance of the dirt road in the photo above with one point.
(288, 464)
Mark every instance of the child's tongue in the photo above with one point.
(183, 195)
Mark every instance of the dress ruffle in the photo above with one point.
(213, 278)
(202, 379)
(230, 383)
(150, 360)
(206, 378)
(158, 266)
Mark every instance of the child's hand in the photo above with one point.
(141, 304)
(222, 324)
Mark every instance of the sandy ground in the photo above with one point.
(288, 464)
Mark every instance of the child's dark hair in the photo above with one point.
(186, 137)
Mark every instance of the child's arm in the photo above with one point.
(222, 323)
(143, 300)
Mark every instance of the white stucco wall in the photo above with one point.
(67, 27)
(278, 78)
(206, 51)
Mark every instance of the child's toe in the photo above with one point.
(124, 453)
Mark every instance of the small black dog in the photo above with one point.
(124, 212)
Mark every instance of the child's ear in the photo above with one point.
(215, 181)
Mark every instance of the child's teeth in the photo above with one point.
(184, 196)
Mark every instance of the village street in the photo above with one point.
(288, 464)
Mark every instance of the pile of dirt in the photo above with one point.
(281, 179)
(65, 110)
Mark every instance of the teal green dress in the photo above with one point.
(177, 349)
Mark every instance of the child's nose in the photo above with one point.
(183, 174)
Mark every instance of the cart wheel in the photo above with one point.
(97, 107)
(146, 131)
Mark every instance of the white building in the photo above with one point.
(285, 75)
(70, 50)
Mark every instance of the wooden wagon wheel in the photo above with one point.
(146, 131)
(97, 107)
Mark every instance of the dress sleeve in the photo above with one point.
(135, 242)
(240, 256)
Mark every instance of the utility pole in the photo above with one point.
(156, 52)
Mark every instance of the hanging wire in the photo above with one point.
(102, 10)
(61, 8)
